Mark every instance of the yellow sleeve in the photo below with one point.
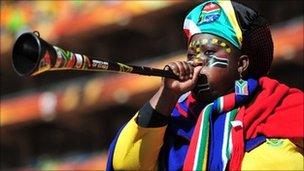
(274, 154)
(137, 148)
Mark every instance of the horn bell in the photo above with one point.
(32, 55)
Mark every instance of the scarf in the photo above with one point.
(224, 125)
(275, 111)
(214, 126)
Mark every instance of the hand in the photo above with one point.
(188, 75)
(166, 97)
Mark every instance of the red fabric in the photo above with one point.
(229, 101)
(187, 33)
(276, 112)
(191, 150)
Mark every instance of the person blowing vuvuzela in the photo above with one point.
(239, 120)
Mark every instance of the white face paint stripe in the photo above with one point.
(218, 63)
(222, 62)
(220, 59)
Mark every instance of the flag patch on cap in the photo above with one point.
(210, 12)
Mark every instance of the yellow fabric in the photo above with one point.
(137, 148)
(274, 154)
(228, 8)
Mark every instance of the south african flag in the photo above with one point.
(210, 12)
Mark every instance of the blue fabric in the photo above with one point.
(176, 143)
(216, 132)
(182, 127)
(184, 106)
(177, 139)
(178, 136)
(254, 142)
(215, 106)
(177, 156)
(217, 124)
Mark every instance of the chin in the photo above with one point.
(207, 95)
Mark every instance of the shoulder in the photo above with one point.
(273, 88)
(274, 154)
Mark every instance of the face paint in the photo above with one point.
(197, 53)
(212, 60)
(214, 41)
(205, 41)
(197, 44)
(215, 61)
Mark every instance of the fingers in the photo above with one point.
(188, 72)
(191, 71)
(196, 73)
(173, 67)
(183, 69)
(196, 63)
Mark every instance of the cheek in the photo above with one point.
(219, 59)
(221, 79)
(216, 74)
(223, 54)
(219, 74)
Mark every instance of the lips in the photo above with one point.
(202, 84)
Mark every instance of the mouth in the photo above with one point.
(202, 84)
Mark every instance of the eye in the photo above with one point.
(190, 55)
(209, 52)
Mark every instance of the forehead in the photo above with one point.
(202, 36)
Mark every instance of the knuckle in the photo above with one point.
(172, 65)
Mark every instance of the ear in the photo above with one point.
(243, 64)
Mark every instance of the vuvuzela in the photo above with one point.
(32, 55)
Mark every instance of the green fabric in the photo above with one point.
(220, 27)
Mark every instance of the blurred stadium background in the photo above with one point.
(66, 120)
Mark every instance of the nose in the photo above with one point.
(203, 71)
